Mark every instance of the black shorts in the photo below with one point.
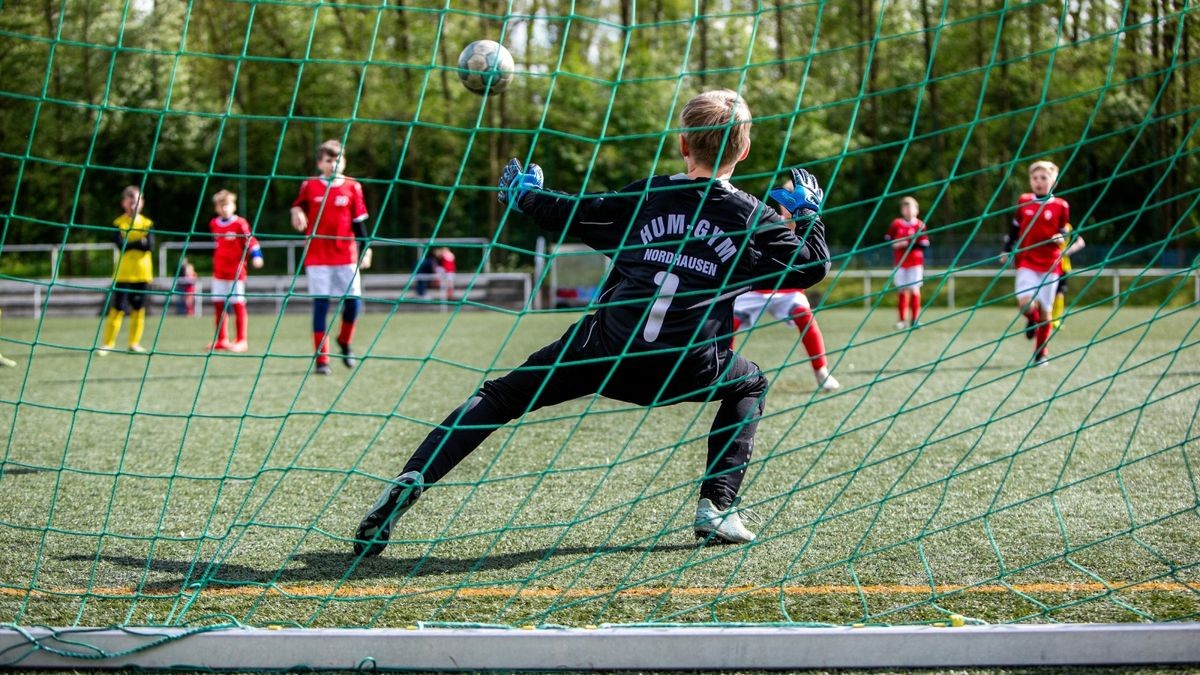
(128, 296)
(576, 365)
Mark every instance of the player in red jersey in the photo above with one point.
(909, 241)
(785, 304)
(234, 242)
(1037, 234)
(331, 210)
(788, 304)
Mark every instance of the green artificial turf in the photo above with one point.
(946, 477)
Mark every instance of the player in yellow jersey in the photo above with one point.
(1071, 244)
(135, 271)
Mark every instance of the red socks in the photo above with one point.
(1042, 336)
(810, 335)
(219, 313)
(321, 344)
(1043, 328)
(909, 306)
(321, 347)
(346, 334)
(240, 320)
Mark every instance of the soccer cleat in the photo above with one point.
(237, 347)
(1030, 328)
(375, 530)
(713, 524)
(7, 362)
(829, 384)
(104, 350)
(322, 369)
(137, 349)
(1041, 358)
(347, 354)
(218, 346)
(901, 325)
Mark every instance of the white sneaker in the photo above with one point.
(722, 526)
(829, 384)
(375, 530)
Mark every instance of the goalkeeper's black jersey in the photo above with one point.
(682, 249)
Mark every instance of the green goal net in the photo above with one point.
(947, 480)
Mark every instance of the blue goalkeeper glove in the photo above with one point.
(806, 193)
(515, 182)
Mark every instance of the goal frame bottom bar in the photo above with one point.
(605, 648)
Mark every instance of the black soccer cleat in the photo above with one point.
(322, 369)
(1030, 328)
(375, 530)
(347, 354)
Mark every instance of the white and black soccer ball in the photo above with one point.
(485, 67)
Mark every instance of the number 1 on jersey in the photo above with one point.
(668, 284)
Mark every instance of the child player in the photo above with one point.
(783, 304)
(330, 209)
(1036, 234)
(909, 241)
(234, 243)
(683, 246)
(135, 271)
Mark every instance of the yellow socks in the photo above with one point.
(112, 326)
(137, 325)
(1057, 311)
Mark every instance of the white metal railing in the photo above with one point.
(934, 276)
(443, 289)
(293, 247)
(55, 251)
(868, 275)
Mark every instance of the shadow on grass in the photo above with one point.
(183, 376)
(20, 471)
(1185, 374)
(324, 568)
(945, 368)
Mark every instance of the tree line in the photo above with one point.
(947, 102)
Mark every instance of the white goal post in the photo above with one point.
(604, 648)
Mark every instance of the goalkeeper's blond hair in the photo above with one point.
(716, 125)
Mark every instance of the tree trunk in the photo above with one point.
(780, 40)
(932, 104)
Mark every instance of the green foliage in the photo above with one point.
(948, 102)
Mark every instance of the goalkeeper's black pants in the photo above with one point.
(570, 368)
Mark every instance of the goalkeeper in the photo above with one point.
(683, 247)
